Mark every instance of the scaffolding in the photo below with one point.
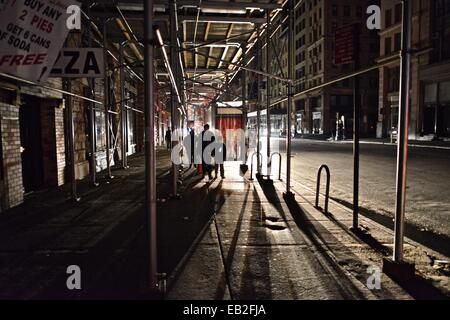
(244, 61)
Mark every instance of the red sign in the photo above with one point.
(344, 51)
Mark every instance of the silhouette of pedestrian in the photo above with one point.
(207, 139)
(168, 138)
(220, 158)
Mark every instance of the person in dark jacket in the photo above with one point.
(207, 139)
(168, 139)
(220, 158)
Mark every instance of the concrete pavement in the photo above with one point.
(225, 239)
(427, 207)
(257, 247)
(102, 234)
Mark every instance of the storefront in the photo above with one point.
(436, 109)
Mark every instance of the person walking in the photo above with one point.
(220, 158)
(192, 147)
(168, 138)
(207, 139)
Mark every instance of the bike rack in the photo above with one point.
(279, 168)
(327, 194)
(253, 157)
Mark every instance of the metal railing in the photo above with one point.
(253, 157)
(279, 165)
(327, 193)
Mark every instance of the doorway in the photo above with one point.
(30, 139)
(429, 119)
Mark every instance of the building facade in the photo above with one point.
(317, 112)
(315, 27)
(430, 88)
(34, 129)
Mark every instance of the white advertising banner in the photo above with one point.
(32, 33)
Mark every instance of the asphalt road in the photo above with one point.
(428, 182)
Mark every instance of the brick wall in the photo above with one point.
(12, 162)
(53, 143)
(60, 145)
(48, 138)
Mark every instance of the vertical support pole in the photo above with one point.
(268, 95)
(106, 99)
(258, 59)
(244, 99)
(150, 163)
(70, 139)
(123, 109)
(290, 96)
(92, 134)
(403, 122)
(356, 131)
(173, 101)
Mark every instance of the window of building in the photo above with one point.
(334, 10)
(387, 46)
(397, 41)
(444, 92)
(347, 11)
(388, 18)
(393, 77)
(359, 11)
(398, 13)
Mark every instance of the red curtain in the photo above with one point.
(228, 123)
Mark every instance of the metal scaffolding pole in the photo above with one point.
(106, 99)
(244, 97)
(403, 122)
(356, 132)
(258, 55)
(123, 109)
(92, 140)
(290, 98)
(268, 94)
(150, 159)
(70, 139)
(173, 100)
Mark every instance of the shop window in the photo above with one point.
(431, 93)
(100, 131)
(444, 92)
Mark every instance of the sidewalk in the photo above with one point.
(258, 247)
(102, 234)
(225, 239)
